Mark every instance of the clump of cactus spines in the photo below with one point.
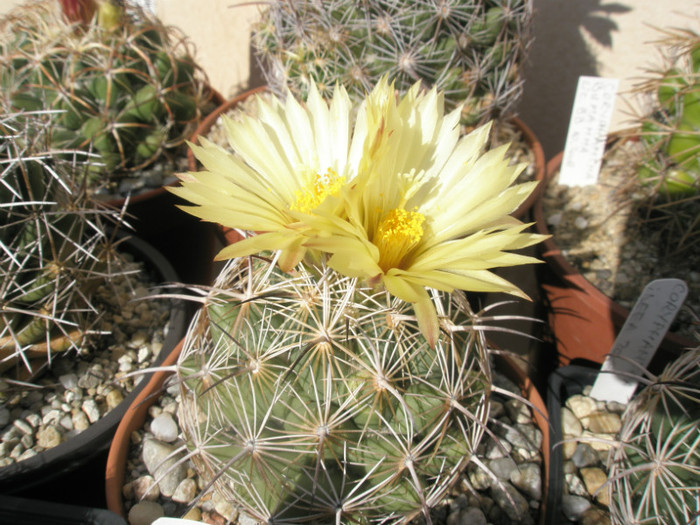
(655, 468)
(130, 94)
(313, 397)
(52, 246)
(470, 49)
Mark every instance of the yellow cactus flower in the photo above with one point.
(399, 198)
(287, 162)
(428, 208)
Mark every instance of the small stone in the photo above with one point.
(502, 467)
(89, 406)
(49, 436)
(479, 479)
(575, 485)
(600, 442)
(145, 488)
(24, 427)
(164, 465)
(568, 449)
(594, 478)
(69, 381)
(194, 514)
(164, 428)
(145, 513)
(517, 411)
(510, 501)
(602, 422)
(113, 398)
(570, 424)
(581, 405)
(554, 219)
(80, 421)
(4, 416)
(581, 223)
(573, 507)
(186, 491)
(224, 507)
(66, 422)
(595, 516)
(584, 456)
(528, 478)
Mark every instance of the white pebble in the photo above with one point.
(164, 427)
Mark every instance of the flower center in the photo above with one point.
(398, 232)
(321, 186)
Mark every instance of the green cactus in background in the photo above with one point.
(131, 94)
(52, 246)
(672, 130)
(313, 397)
(470, 49)
(654, 471)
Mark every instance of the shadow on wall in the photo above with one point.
(558, 56)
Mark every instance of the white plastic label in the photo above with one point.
(638, 339)
(147, 5)
(588, 129)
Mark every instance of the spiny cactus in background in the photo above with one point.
(312, 397)
(668, 164)
(654, 471)
(470, 49)
(131, 94)
(52, 242)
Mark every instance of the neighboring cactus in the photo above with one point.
(672, 130)
(470, 49)
(52, 244)
(131, 95)
(654, 471)
(313, 397)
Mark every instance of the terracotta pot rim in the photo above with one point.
(550, 251)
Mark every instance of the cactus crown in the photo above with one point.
(656, 466)
(470, 49)
(130, 95)
(52, 245)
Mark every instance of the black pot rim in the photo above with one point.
(86, 445)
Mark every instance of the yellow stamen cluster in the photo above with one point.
(399, 231)
(320, 187)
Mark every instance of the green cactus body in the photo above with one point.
(112, 90)
(51, 238)
(470, 49)
(310, 397)
(654, 471)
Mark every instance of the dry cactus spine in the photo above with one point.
(53, 246)
(314, 397)
(472, 50)
(131, 94)
(654, 470)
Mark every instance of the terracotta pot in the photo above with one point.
(583, 320)
(136, 414)
(229, 236)
(78, 451)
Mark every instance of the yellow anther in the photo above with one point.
(320, 187)
(398, 232)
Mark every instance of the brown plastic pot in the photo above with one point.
(135, 417)
(583, 320)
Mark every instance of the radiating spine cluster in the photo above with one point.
(312, 397)
(654, 471)
(470, 49)
(52, 238)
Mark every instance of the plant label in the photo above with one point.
(638, 340)
(588, 129)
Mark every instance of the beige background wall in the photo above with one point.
(572, 37)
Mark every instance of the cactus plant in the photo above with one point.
(470, 49)
(341, 374)
(130, 94)
(52, 246)
(654, 470)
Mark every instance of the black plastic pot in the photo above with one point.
(21, 511)
(563, 383)
(62, 473)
